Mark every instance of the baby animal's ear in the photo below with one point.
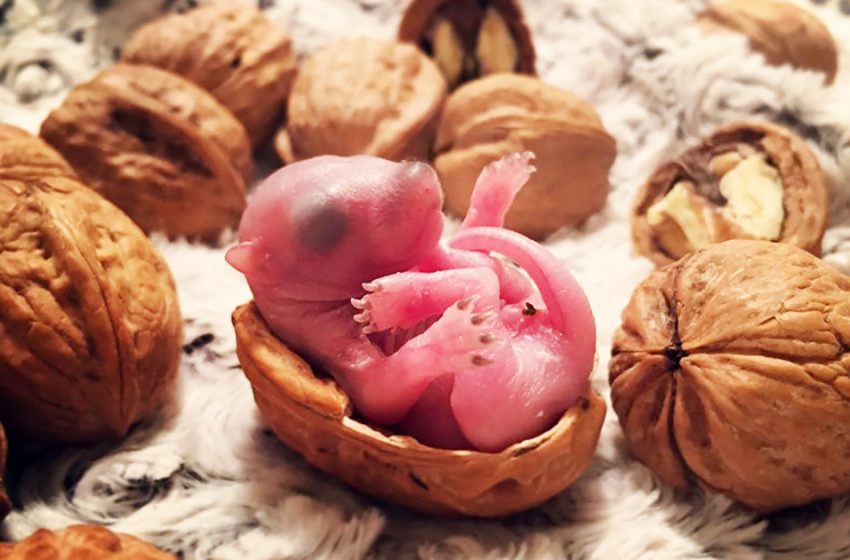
(241, 257)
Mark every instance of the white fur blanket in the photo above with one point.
(214, 483)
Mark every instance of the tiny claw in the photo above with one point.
(479, 360)
(466, 302)
(480, 318)
(358, 303)
(368, 329)
(487, 338)
(371, 286)
(364, 317)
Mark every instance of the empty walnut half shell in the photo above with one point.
(312, 415)
(783, 32)
(731, 370)
(90, 329)
(5, 504)
(24, 156)
(363, 96)
(745, 181)
(81, 542)
(493, 116)
(159, 147)
(470, 38)
(234, 52)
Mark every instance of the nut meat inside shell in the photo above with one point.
(312, 415)
(363, 96)
(732, 370)
(157, 146)
(90, 329)
(745, 181)
(234, 52)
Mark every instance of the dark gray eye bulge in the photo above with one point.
(321, 228)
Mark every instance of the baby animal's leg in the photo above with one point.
(405, 299)
(496, 188)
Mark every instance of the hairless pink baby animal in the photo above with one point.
(446, 343)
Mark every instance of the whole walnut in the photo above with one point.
(90, 329)
(731, 370)
(490, 117)
(81, 542)
(783, 32)
(234, 52)
(312, 415)
(363, 96)
(5, 504)
(24, 156)
(159, 147)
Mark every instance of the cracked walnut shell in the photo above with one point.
(5, 504)
(159, 147)
(234, 52)
(90, 329)
(504, 113)
(783, 32)
(313, 416)
(363, 96)
(747, 180)
(81, 542)
(731, 370)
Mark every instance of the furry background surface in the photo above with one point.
(210, 481)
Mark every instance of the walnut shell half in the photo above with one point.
(731, 370)
(312, 415)
(90, 329)
(24, 156)
(363, 96)
(796, 214)
(5, 504)
(234, 52)
(783, 32)
(157, 146)
(81, 542)
(493, 116)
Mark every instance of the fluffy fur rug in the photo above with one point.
(212, 482)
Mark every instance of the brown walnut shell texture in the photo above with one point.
(313, 416)
(159, 147)
(805, 194)
(24, 156)
(488, 118)
(81, 542)
(467, 16)
(234, 52)
(363, 96)
(731, 370)
(90, 329)
(783, 32)
(5, 504)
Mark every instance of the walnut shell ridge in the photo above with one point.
(5, 504)
(313, 416)
(783, 32)
(24, 156)
(90, 328)
(81, 542)
(363, 96)
(234, 52)
(493, 116)
(159, 147)
(731, 371)
(805, 196)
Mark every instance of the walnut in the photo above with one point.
(748, 180)
(731, 370)
(363, 96)
(313, 416)
(493, 116)
(470, 38)
(90, 329)
(5, 504)
(234, 52)
(783, 32)
(159, 147)
(24, 156)
(81, 542)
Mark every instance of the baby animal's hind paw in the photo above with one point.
(464, 334)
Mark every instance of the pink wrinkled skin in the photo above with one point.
(446, 343)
